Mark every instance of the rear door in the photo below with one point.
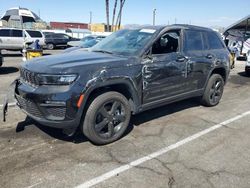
(199, 60)
(216, 50)
(5, 39)
(60, 39)
(17, 39)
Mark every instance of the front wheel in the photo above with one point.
(50, 46)
(213, 91)
(107, 118)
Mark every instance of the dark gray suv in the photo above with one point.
(130, 71)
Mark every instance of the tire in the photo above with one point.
(107, 118)
(213, 91)
(247, 72)
(50, 46)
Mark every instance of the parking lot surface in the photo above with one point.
(179, 145)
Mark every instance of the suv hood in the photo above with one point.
(70, 62)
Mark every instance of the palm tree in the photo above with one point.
(119, 17)
(114, 13)
(107, 13)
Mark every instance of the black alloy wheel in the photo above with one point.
(213, 91)
(216, 91)
(107, 118)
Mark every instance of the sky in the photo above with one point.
(197, 12)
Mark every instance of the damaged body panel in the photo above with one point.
(149, 66)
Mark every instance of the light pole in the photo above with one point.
(90, 19)
(154, 13)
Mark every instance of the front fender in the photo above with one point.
(102, 82)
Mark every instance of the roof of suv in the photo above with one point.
(175, 26)
(20, 29)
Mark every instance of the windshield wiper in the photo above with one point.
(103, 51)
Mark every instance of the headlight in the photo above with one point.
(45, 79)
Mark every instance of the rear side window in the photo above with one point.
(61, 36)
(17, 33)
(34, 34)
(4, 33)
(193, 41)
(213, 41)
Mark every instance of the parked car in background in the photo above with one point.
(54, 40)
(85, 39)
(130, 71)
(84, 44)
(15, 39)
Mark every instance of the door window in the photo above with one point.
(4, 33)
(213, 41)
(34, 34)
(167, 43)
(65, 37)
(193, 41)
(17, 33)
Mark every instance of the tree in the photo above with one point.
(107, 13)
(119, 17)
(114, 13)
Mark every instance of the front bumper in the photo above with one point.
(53, 106)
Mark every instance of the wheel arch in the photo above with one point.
(124, 87)
(221, 71)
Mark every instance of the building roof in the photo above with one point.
(240, 25)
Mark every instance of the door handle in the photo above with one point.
(181, 59)
(209, 56)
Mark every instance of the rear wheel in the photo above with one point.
(50, 46)
(213, 91)
(107, 118)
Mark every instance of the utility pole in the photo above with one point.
(90, 19)
(154, 13)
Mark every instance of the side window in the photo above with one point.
(60, 36)
(4, 33)
(65, 36)
(213, 41)
(34, 34)
(167, 43)
(57, 36)
(17, 33)
(193, 41)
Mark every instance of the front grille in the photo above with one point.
(58, 112)
(28, 77)
(29, 107)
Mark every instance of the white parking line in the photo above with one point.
(158, 153)
(9, 104)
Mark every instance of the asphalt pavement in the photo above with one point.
(178, 145)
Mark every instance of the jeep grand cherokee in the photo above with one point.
(130, 71)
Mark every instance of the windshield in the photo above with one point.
(89, 43)
(125, 42)
(88, 38)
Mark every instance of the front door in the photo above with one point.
(165, 74)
